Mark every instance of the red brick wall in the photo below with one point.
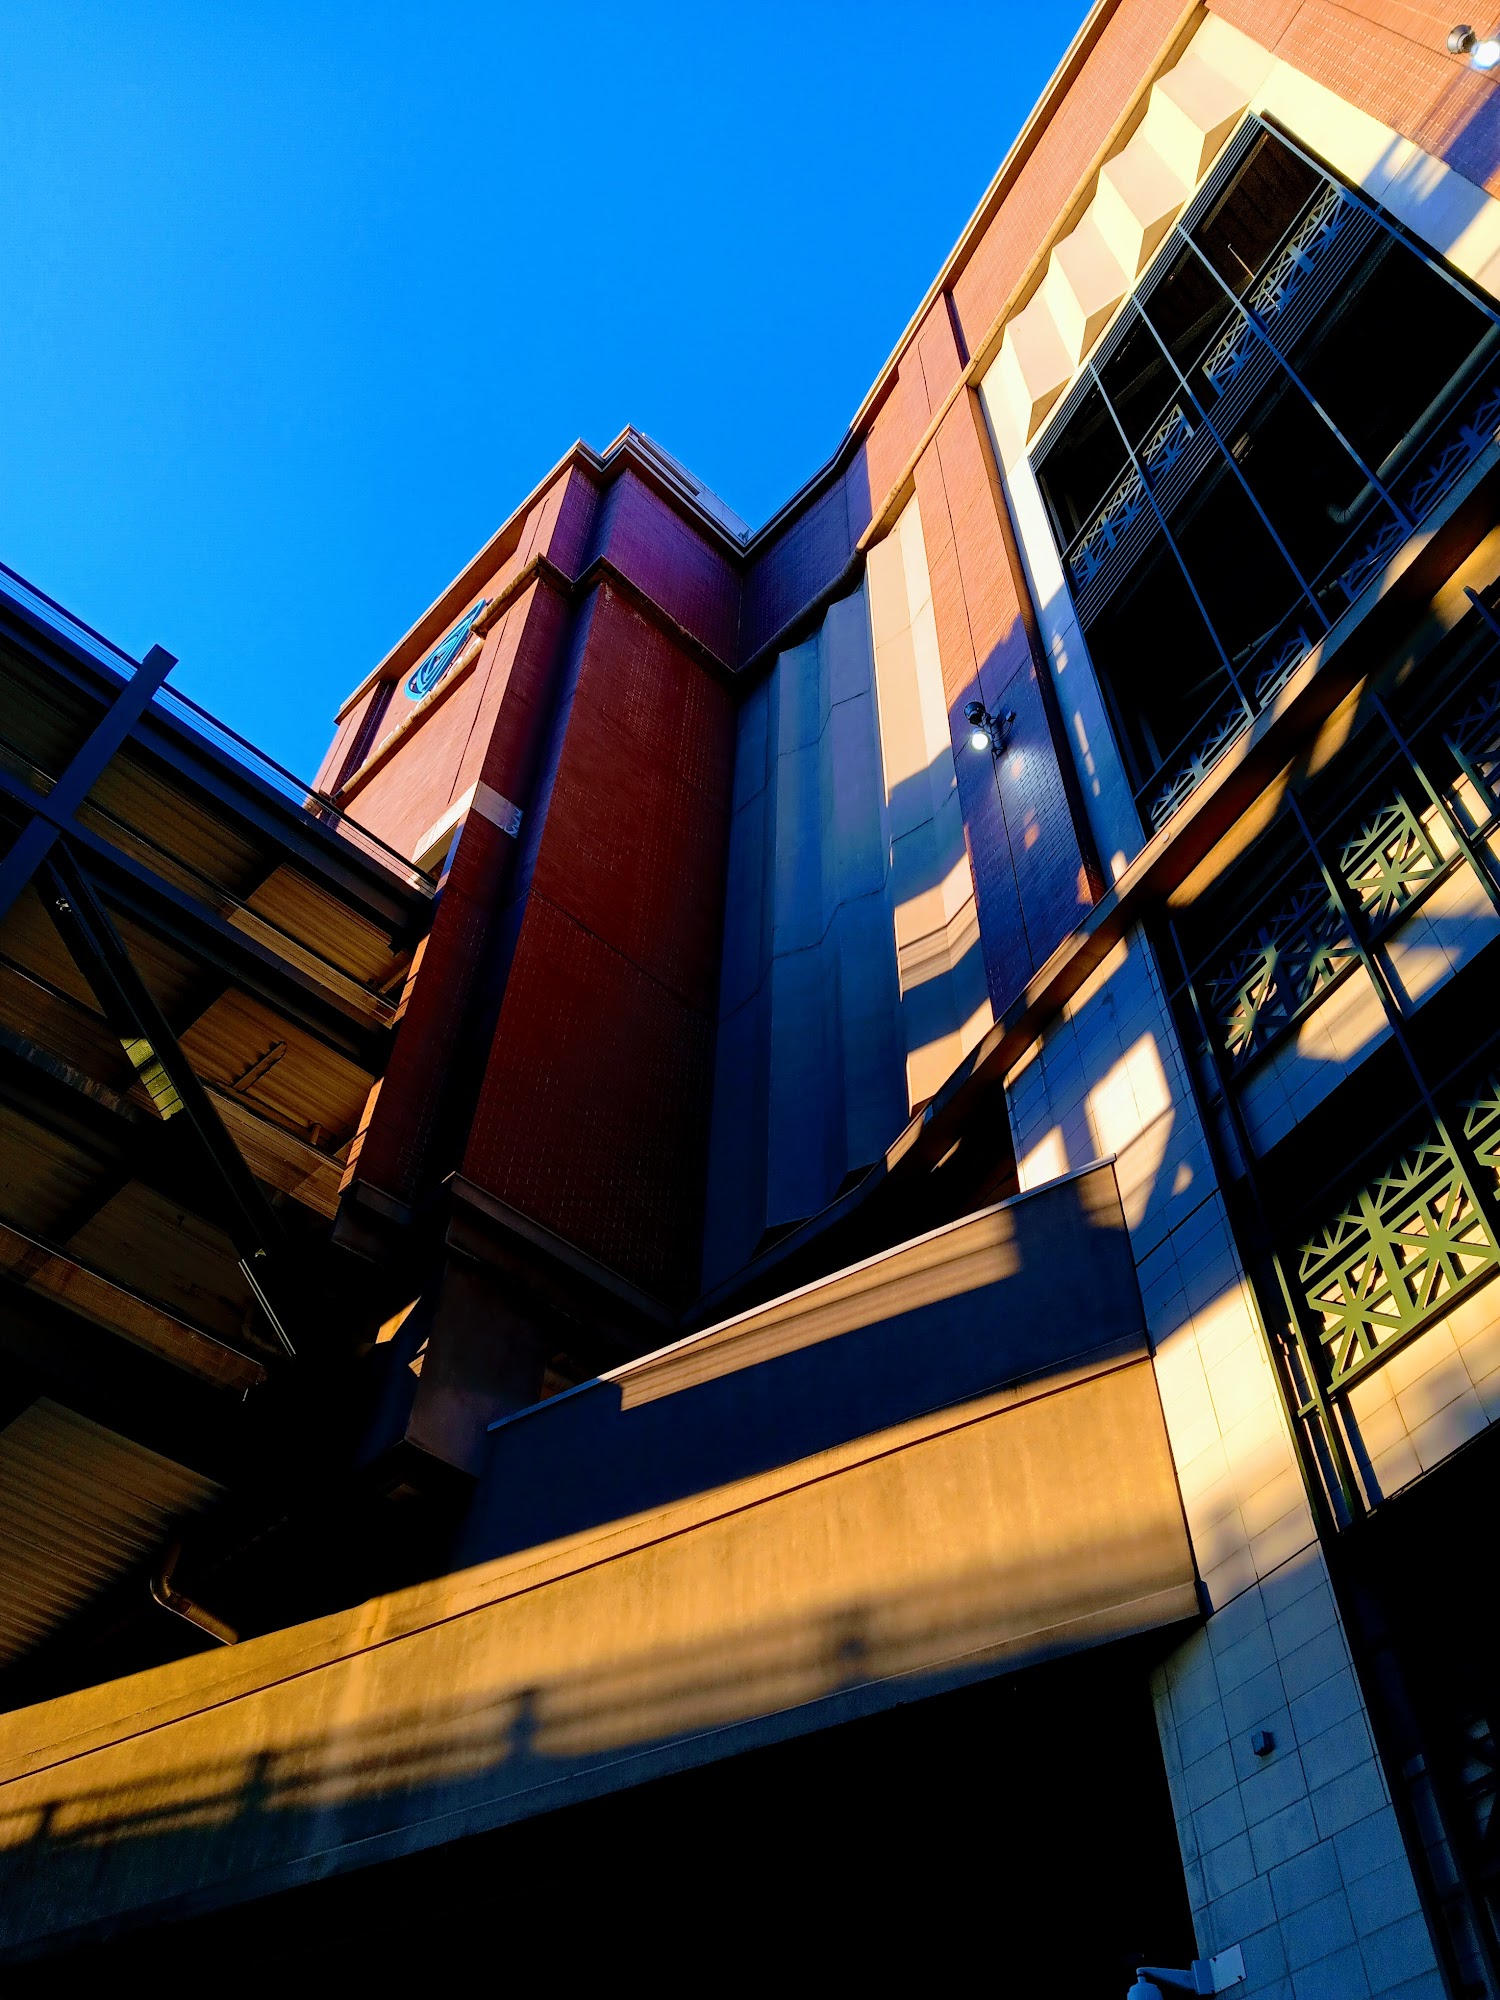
(694, 582)
(592, 1117)
(391, 1152)
(566, 991)
(415, 785)
(1389, 58)
(334, 756)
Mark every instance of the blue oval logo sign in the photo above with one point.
(426, 677)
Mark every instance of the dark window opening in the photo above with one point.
(1089, 461)
(1244, 581)
(1255, 212)
(1313, 491)
(1391, 347)
(1293, 389)
(1158, 660)
(1139, 384)
(1190, 312)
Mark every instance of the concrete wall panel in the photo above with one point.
(1007, 1530)
(809, 952)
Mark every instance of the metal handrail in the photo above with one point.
(317, 805)
(216, 893)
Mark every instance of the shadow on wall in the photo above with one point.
(76, 1858)
(1463, 127)
(944, 1816)
(1109, 1079)
(1018, 1292)
(1029, 870)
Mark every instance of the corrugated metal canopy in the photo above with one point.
(80, 1507)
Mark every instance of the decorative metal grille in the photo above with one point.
(1230, 352)
(1389, 861)
(1288, 657)
(1372, 557)
(1474, 740)
(1278, 285)
(1159, 453)
(1394, 1258)
(1461, 447)
(1192, 770)
(1259, 991)
(1167, 442)
(1482, 1126)
(1113, 518)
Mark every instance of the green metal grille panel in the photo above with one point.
(1258, 992)
(1482, 1126)
(1389, 862)
(1397, 1256)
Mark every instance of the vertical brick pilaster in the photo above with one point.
(390, 1150)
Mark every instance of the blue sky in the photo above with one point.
(300, 301)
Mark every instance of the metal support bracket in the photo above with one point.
(36, 839)
(98, 951)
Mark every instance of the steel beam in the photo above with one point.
(338, 1022)
(35, 841)
(265, 1254)
(368, 884)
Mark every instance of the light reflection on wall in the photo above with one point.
(944, 996)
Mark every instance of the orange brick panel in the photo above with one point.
(417, 782)
(949, 609)
(896, 429)
(938, 352)
(1265, 21)
(1023, 847)
(995, 631)
(1388, 58)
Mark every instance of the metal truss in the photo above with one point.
(95, 946)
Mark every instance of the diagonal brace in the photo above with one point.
(98, 951)
(36, 839)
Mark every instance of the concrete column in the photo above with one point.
(1294, 1855)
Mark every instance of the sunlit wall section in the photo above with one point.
(945, 1005)
(1265, 1838)
(808, 1082)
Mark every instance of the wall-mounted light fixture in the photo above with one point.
(986, 731)
(1483, 51)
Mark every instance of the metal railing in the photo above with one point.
(184, 714)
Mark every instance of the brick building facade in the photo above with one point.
(936, 1139)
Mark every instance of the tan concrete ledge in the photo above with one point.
(1021, 1525)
